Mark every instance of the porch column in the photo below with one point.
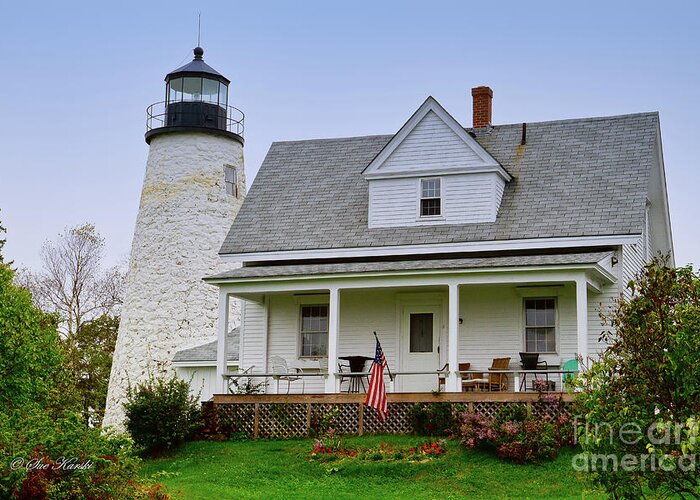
(452, 379)
(333, 329)
(222, 344)
(582, 317)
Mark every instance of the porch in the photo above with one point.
(431, 325)
(288, 416)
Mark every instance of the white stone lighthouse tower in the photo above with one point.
(192, 190)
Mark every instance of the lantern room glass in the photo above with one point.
(197, 89)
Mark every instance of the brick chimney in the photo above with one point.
(482, 97)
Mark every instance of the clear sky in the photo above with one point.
(76, 79)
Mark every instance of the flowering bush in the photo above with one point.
(515, 435)
(47, 457)
(384, 452)
(433, 419)
(646, 381)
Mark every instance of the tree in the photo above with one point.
(86, 297)
(38, 421)
(2, 240)
(72, 281)
(31, 361)
(640, 400)
(89, 352)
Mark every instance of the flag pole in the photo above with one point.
(391, 376)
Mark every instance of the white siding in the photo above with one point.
(633, 260)
(600, 305)
(393, 202)
(467, 198)
(649, 252)
(253, 336)
(493, 326)
(499, 186)
(431, 144)
(202, 380)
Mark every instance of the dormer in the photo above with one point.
(433, 172)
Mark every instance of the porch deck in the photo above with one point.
(299, 415)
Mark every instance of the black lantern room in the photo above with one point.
(196, 98)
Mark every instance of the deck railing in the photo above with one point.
(483, 380)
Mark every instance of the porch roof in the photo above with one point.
(413, 265)
(207, 352)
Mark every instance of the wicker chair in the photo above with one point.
(463, 367)
(493, 382)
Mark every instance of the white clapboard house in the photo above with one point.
(455, 244)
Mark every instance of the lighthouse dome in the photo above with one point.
(196, 99)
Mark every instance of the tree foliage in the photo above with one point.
(89, 359)
(72, 281)
(86, 298)
(161, 414)
(2, 240)
(31, 361)
(40, 428)
(643, 395)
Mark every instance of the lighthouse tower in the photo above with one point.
(192, 190)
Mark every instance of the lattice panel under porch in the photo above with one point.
(283, 420)
(347, 420)
(240, 417)
(542, 409)
(398, 421)
(489, 408)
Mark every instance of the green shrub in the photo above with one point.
(46, 449)
(433, 419)
(646, 380)
(161, 414)
(31, 362)
(46, 457)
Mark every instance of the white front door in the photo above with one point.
(420, 338)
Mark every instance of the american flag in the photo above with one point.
(376, 394)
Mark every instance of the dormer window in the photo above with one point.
(430, 198)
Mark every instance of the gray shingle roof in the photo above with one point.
(207, 352)
(462, 263)
(583, 177)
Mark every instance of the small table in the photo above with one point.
(551, 384)
(357, 369)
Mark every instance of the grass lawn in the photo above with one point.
(281, 469)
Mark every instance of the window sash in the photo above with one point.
(430, 207)
(230, 180)
(540, 325)
(430, 188)
(313, 327)
(430, 197)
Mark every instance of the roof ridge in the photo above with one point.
(518, 124)
(581, 119)
(326, 139)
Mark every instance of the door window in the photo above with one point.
(421, 337)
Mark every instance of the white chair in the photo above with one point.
(281, 371)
